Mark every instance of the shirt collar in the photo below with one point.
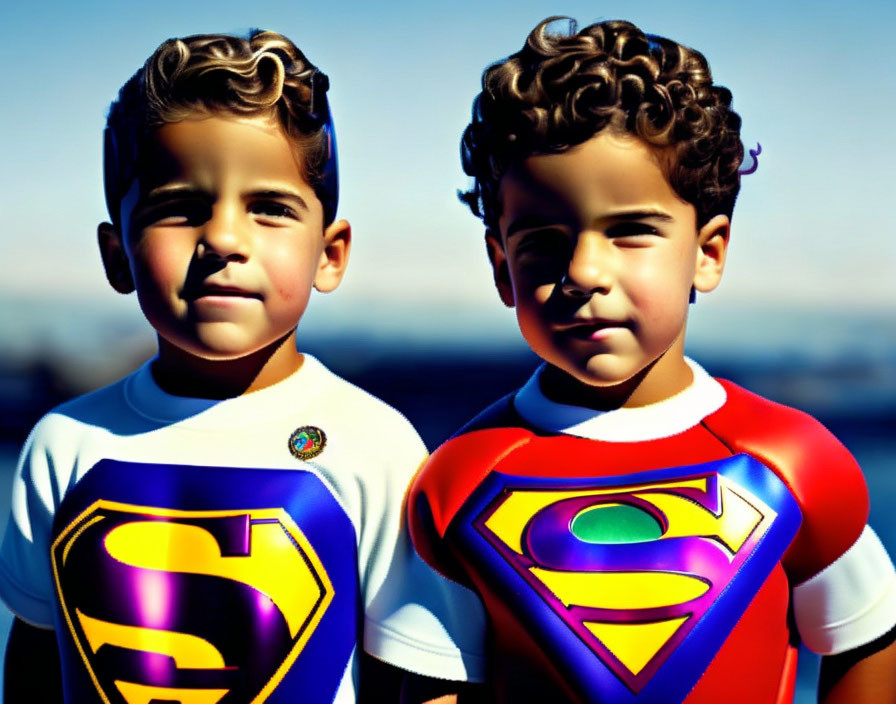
(668, 417)
(297, 391)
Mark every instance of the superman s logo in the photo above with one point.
(198, 607)
(631, 565)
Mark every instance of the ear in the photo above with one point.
(115, 260)
(334, 257)
(712, 246)
(498, 257)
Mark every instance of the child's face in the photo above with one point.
(598, 254)
(223, 237)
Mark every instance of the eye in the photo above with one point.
(272, 209)
(632, 234)
(631, 229)
(181, 212)
(549, 242)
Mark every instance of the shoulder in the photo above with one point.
(791, 441)
(56, 441)
(94, 411)
(460, 464)
(499, 414)
(820, 472)
(364, 422)
(357, 406)
(446, 481)
(749, 419)
(101, 406)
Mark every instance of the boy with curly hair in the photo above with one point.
(224, 524)
(637, 530)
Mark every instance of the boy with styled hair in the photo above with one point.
(637, 530)
(222, 525)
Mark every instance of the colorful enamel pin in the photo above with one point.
(307, 442)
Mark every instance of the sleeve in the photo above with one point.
(26, 582)
(844, 585)
(415, 618)
(849, 603)
(844, 593)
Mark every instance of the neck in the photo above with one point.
(180, 373)
(661, 379)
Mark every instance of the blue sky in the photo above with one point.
(813, 226)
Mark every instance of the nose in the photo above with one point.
(590, 267)
(224, 235)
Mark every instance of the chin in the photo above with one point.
(606, 371)
(227, 350)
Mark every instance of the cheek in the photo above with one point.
(655, 280)
(290, 272)
(532, 281)
(660, 295)
(532, 309)
(162, 267)
(542, 293)
(533, 316)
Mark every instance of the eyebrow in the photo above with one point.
(646, 214)
(528, 222)
(171, 190)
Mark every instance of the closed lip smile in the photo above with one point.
(589, 329)
(220, 290)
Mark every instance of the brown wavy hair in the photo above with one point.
(208, 74)
(559, 90)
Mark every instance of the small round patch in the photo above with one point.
(307, 442)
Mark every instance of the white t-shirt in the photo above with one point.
(175, 536)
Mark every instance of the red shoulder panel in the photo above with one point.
(822, 474)
(447, 479)
(457, 467)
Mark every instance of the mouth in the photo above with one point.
(594, 329)
(208, 291)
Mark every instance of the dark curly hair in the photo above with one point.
(208, 74)
(559, 90)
